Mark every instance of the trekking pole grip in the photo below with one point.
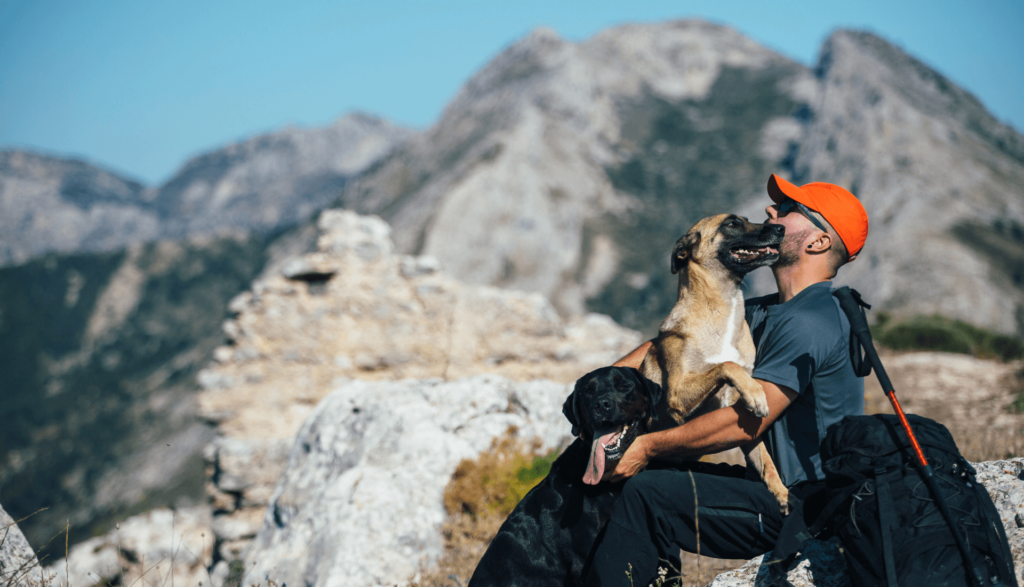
(850, 302)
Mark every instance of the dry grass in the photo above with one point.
(480, 495)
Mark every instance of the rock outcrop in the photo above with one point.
(19, 566)
(354, 309)
(150, 548)
(360, 502)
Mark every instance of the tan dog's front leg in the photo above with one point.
(686, 392)
(757, 457)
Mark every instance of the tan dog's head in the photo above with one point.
(728, 243)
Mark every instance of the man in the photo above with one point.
(803, 364)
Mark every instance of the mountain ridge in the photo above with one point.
(266, 182)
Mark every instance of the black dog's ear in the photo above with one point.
(683, 250)
(653, 392)
(569, 410)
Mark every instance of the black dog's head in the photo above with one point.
(608, 408)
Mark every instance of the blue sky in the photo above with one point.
(139, 87)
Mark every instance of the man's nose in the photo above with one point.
(772, 212)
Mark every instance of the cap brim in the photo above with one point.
(780, 189)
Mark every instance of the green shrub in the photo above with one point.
(937, 333)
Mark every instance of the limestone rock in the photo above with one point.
(18, 564)
(153, 545)
(355, 310)
(360, 502)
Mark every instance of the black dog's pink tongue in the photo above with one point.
(595, 468)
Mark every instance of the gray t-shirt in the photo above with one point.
(804, 344)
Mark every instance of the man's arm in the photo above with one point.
(635, 358)
(713, 432)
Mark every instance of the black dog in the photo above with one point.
(547, 538)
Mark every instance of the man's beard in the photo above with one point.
(789, 250)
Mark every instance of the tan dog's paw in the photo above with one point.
(753, 395)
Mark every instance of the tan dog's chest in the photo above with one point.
(704, 354)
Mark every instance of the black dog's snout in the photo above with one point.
(605, 405)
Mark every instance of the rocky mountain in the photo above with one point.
(571, 168)
(98, 355)
(562, 172)
(265, 183)
(50, 204)
(99, 350)
(942, 180)
(274, 180)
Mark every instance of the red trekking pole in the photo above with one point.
(851, 303)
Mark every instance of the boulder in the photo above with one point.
(153, 547)
(360, 502)
(18, 564)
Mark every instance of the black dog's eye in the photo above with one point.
(624, 387)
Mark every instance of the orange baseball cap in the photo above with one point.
(839, 207)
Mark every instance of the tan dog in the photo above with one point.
(704, 352)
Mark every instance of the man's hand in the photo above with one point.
(710, 433)
(631, 463)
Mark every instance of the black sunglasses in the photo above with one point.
(789, 204)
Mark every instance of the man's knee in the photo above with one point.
(655, 490)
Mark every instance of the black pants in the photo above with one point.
(656, 516)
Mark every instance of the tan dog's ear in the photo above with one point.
(683, 250)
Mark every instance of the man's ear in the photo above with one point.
(683, 250)
(569, 410)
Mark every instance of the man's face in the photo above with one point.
(798, 230)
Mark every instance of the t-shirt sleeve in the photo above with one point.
(793, 351)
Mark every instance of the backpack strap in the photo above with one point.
(886, 517)
(861, 366)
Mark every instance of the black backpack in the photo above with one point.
(876, 501)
